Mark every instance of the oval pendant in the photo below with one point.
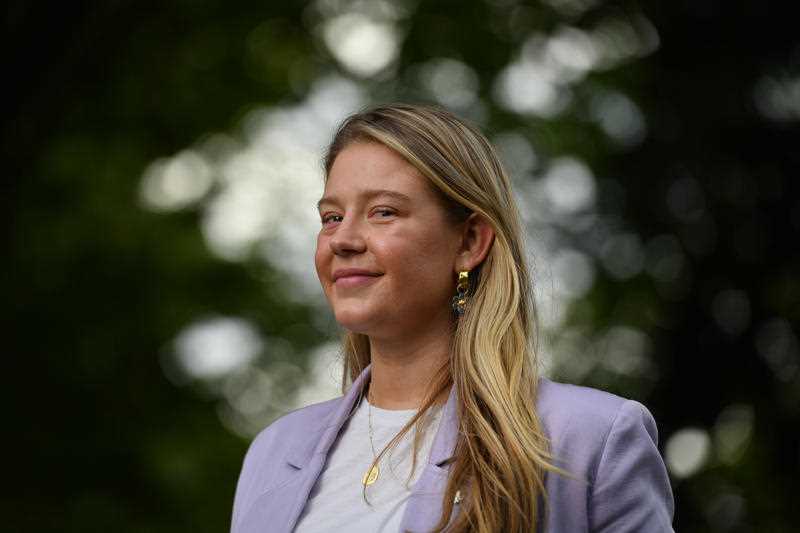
(371, 476)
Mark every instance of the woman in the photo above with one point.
(446, 425)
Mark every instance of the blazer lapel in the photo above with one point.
(424, 506)
(312, 465)
(277, 510)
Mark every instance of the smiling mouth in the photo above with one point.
(355, 280)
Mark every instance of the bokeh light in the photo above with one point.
(687, 451)
(214, 347)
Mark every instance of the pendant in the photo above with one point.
(371, 476)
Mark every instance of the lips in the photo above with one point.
(354, 277)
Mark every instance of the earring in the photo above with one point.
(459, 302)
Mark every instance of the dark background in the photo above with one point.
(100, 438)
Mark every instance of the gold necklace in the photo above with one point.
(371, 475)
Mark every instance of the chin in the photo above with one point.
(353, 320)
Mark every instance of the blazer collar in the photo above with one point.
(309, 456)
(321, 442)
(441, 450)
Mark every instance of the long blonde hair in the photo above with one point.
(501, 454)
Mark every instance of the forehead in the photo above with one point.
(368, 166)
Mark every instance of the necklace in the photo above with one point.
(371, 476)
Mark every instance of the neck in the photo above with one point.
(402, 370)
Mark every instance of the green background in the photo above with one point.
(98, 285)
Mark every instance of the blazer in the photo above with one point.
(608, 444)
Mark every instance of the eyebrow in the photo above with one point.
(367, 195)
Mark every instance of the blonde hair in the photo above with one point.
(501, 454)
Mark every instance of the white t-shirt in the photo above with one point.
(336, 502)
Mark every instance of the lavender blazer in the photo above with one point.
(608, 444)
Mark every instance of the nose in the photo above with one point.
(348, 239)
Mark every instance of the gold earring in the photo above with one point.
(459, 302)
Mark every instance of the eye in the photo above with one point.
(330, 218)
(383, 212)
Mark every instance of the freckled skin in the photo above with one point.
(410, 242)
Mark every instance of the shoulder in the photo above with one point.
(608, 445)
(293, 429)
(592, 413)
(582, 423)
(272, 456)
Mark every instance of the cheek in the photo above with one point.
(422, 266)
(322, 259)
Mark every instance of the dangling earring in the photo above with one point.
(459, 302)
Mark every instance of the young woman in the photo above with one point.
(445, 424)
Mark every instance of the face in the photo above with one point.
(386, 252)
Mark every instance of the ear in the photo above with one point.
(476, 241)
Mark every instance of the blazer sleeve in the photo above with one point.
(631, 490)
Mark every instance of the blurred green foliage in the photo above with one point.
(98, 287)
